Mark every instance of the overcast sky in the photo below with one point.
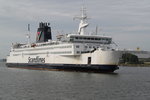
(127, 21)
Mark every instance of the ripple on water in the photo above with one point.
(127, 83)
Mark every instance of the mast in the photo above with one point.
(83, 21)
(28, 35)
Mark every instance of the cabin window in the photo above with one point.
(80, 38)
(77, 46)
(71, 39)
(78, 51)
(77, 38)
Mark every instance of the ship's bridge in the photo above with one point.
(89, 39)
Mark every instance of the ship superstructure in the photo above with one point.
(70, 51)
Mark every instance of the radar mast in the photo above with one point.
(83, 21)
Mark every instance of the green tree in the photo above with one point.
(130, 58)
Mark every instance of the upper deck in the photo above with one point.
(44, 37)
(76, 38)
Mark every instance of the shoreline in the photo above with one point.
(135, 65)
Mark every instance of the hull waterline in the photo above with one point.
(72, 67)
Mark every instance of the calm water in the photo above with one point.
(127, 83)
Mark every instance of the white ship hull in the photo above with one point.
(98, 60)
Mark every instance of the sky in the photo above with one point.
(126, 21)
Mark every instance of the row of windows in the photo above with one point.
(58, 47)
(62, 47)
(63, 52)
(77, 46)
(88, 38)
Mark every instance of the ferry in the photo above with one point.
(79, 51)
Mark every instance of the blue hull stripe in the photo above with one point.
(107, 68)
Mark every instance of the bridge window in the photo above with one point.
(76, 37)
(78, 51)
(77, 46)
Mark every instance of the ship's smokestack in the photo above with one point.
(43, 32)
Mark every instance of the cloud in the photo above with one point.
(126, 20)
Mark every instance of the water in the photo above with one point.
(128, 83)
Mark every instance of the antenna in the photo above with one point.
(83, 21)
(96, 30)
(28, 35)
(83, 1)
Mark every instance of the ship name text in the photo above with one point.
(36, 60)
